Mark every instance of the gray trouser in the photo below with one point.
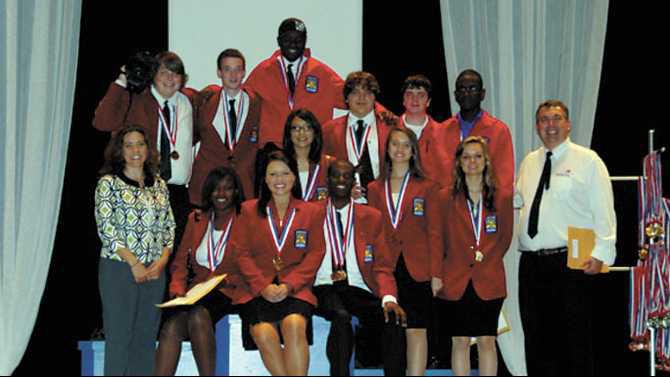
(130, 318)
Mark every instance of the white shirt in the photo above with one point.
(373, 144)
(580, 195)
(354, 274)
(202, 254)
(304, 179)
(417, 129)
(181, 116)
(220, 124)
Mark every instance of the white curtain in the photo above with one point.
(38, 56)
(528, 51)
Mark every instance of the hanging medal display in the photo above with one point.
(279, 237)
(282, 68)
(339, 242)
(311, 183)
(395, 208)
(216, 250)
(650, 280)
(224, 105)
(477, 219)
(170, 130)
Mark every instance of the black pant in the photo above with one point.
(181, 207)
(338, 304)
(555, 304)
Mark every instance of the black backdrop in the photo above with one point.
(398, 40)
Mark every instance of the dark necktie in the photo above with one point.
(340, 229)
(232, 118)
(166, 164)
(365, 164)
(535, 208)
(291, 79)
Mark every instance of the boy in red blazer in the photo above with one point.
(356, 277)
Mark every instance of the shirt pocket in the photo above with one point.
(561, 186)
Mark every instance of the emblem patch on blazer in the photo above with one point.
(312, 84)
(253, 138)
(301, 238)
(369, 256)
(491, 224)
(419, 206)
(321, 193)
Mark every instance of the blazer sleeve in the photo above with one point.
(179, 266)
(112, 109)
(303, 275)
(384, 264)
(506, 224)
(503, 161)
(241, 242)
(435, 234)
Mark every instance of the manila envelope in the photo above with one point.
(581, 243)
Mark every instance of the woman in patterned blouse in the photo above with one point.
(136, 227)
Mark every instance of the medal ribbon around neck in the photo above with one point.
(477, 219)
(282, 68)
(339, 244)
(395, 209)
(215, 251)
(358, 149)
(172, 131)
(229, 137)
(280, 239)
(311, 183)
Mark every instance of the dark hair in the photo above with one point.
(417, 82)
(213, 179)
(292, 24)
(173, 63)
(461, 185)
(230, 53)
(265, 193)
(317, 145)
(553, 103)
(471, 72)
(114, 161)
(415, 166)
(361, 78)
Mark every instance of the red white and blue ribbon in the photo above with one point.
(339, 243)
(359, 149)
(395, 209)
(282, 68)
(215, 251)
(310, 188)
(477, 219)
(231, 139)
(169, 129)
(280, 237)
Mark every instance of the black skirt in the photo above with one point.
(414, 297)
(260, 310)
(217, 304)
(471, 316)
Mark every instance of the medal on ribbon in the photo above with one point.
(476, 218)
(339, 242)
(278, 237)
(169, 130)
(215, 251)
(282, 68)
(358, 149)
(224, 105)
(395, 209)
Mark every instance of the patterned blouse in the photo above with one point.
(139, 220)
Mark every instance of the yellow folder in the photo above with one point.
(581, 243)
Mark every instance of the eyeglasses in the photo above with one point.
(554, 119)
(468, 89)
(298, 129)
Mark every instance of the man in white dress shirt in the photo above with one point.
(562, 184)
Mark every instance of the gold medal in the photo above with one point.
(338, 275)
(278, 263)
(174, 155)
(479, 256)
(643, 253)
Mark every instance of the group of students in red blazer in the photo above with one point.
(423, 209)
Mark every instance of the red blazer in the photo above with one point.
(335, 138)
(110, 115)
(501, 150)
(254, 245)
(195, 231)
(459, 266)
(375, 260)
(431, 151)
(318, 89)
(214, 153)
(321, 189)
(418, 237)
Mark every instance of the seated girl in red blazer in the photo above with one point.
(409, 204)
(478, 223)
(279, 243)
(303, 141)
(206, 248)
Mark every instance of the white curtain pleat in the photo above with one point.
(39, 58)
(528, 51)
